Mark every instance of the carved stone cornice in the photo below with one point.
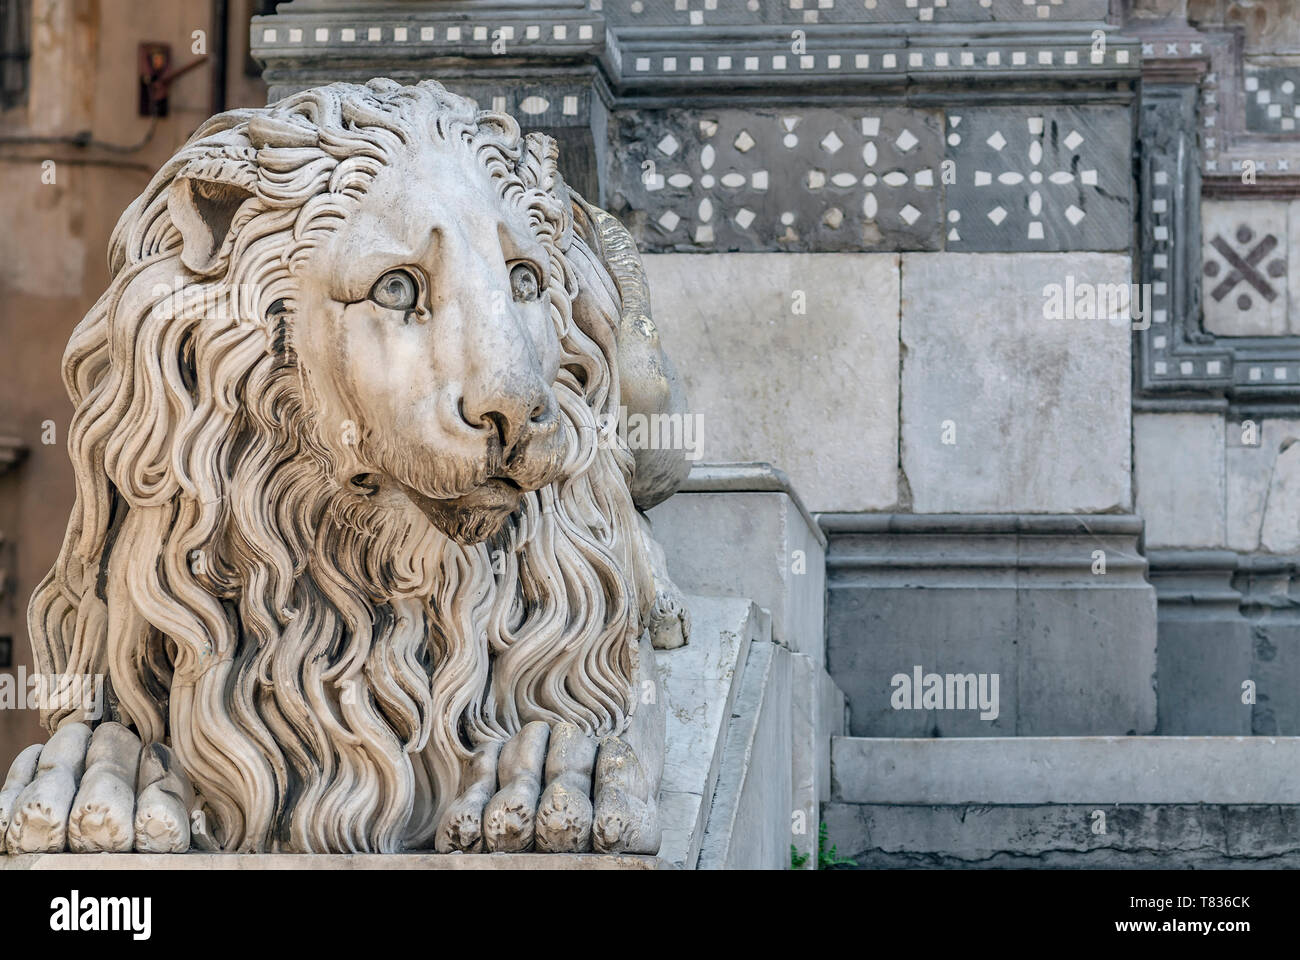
(663, 47)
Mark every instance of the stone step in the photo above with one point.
(1066, 801)
(702, 681)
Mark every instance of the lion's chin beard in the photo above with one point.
(475, 516)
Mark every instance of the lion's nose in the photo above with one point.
(509, 416)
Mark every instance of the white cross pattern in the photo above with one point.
(1034, 175)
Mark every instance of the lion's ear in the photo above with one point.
(202, 210)
(203, 200)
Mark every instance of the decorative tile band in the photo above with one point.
(984, 179)
(414, 32)
(905, 59)
(705, 13)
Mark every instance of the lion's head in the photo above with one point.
(347, 501)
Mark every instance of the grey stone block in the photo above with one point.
(1270, 589)
(1261, 470)
(1178, 472)
(1280, 528)
(778, 352)
(1040, 770)
(739, 530)
(1262, 485)
(1020, 598)
(1229, 653)
(1002, 410)
(1204, 648)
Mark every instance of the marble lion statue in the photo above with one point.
(356, 545)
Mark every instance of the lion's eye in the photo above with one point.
(396, 290)
(525, 285)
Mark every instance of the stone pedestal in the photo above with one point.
(1229, 649)
(740, 530)
(1205, 646)
(1057, 607)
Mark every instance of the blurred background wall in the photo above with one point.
(75, 150)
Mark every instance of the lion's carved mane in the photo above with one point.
(322, 664)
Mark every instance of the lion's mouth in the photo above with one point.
(493, 493)
(473, 516)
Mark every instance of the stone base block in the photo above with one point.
(1055, 610)
(1044, 770)
(740, 530)
(1204, 644)
(1229, 652)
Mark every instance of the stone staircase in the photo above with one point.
(1072, 770)
(1091, 802)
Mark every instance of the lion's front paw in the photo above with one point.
(45, 782)
(627, 816)
(596, 796)
(460, 830)
(101, 819)
(509, 819)
(95, 794)
(564, 816)
(670, 621)
(162, 819)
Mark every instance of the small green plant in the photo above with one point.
(826, 859)
(829, 859)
